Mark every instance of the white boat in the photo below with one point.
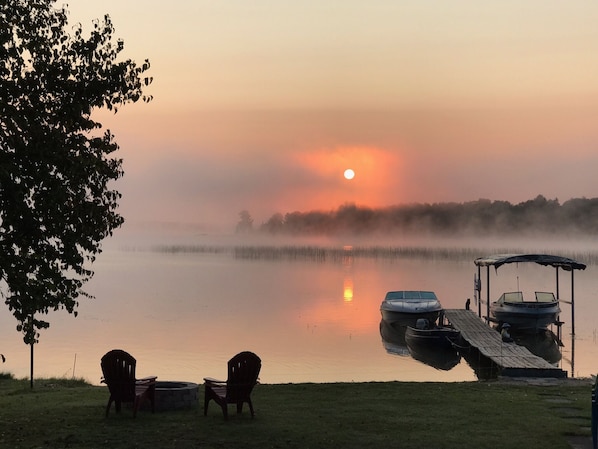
(405, 307)
(524, 315)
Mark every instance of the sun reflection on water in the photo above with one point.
(348, 289)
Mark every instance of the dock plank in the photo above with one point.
(514, 360)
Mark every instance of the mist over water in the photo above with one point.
(183, 303)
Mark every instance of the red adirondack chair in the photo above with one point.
(243, 372)
(118, 368)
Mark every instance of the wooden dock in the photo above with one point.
(512, 359)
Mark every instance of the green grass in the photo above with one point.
(61, 413)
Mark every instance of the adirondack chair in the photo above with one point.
(243, 372)
(118, 368)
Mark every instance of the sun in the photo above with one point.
(349, 174)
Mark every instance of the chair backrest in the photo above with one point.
(118, 368)
(243, 372)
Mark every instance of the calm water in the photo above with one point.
(184, 314)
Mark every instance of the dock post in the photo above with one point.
(488, 294)
(572, 304)
(594, 416)
(558, 295)
(479, 291)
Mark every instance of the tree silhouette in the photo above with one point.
(475, 218)
(55, 164)
(245, 223)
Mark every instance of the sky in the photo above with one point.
(261, 105)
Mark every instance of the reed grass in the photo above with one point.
(340, 254)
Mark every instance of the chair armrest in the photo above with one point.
(147, 380)
(211, 380)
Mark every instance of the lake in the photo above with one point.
(311, 313)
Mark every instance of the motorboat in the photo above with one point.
(404, 307)
(524, 315)
(431, 336)
(433, 345)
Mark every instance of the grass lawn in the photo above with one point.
(61, 413)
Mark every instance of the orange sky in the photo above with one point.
(262, 105)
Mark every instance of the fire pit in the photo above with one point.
(174, 395)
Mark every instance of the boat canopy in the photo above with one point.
(543, 259)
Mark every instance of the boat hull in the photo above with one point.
(437, 337)
(403, 308)
(526, 316)
(434, 346)
(406, 319)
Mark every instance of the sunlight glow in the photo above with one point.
(348, 289)
(349, 174)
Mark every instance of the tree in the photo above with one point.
(275, 224)
(245, 223)
(56, 205)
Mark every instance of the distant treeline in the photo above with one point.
(481, 217)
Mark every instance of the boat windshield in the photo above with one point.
(511, 297)
(410, 294)
(518, 297)
(545, 297)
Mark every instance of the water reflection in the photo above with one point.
(348, 289)
(324, 304)
(348, 268)
(435, 354)
(445, 354)
(543, 344)
(393, 339)
(442, 358)
(434, 346)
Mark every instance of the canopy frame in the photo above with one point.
(498, 260)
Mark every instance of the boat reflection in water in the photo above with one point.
(433, 345)
(442, 348)
(432, 349)
(543, 343)
(393, 338)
